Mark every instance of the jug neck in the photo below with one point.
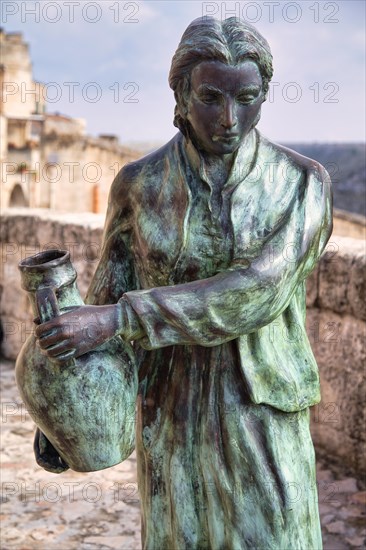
(49, 277)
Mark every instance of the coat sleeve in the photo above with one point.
(245, 298)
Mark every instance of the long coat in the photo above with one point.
(212, 284)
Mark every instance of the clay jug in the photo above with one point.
(85, 407)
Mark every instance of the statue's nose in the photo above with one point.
(228, 119)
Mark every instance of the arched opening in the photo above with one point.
(17, 197)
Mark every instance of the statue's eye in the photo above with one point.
(247, 98)
(210, 97)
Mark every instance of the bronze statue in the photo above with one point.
(207, 245)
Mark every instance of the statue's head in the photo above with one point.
(233, 57)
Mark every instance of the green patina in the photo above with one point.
(84, 406)
(208, 260)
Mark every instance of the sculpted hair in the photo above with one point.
(207, 39)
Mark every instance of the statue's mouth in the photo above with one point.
(227, 138)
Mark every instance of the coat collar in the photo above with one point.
(244, 161)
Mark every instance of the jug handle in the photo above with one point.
(47, 308)
(47, 305)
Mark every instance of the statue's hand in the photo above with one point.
(78, 331)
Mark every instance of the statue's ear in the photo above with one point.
(177, 117)
(181, 95)
(181, 107)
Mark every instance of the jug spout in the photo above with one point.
(50, 279)
(48, 268)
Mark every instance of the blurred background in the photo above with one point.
(84, 89)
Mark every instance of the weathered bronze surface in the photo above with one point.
(207, 245)
(85, 406)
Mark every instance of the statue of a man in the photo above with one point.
(207, 245)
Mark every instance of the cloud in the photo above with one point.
(115, 49)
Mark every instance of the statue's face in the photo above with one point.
(224, 103)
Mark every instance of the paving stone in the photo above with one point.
(325, 509)
(336, 503)
(348, 485)
(335, 543)
(335, 527)
(324, 475)
(357, 542)
(327, 519)
(359, 498)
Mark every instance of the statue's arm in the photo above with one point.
(239, 301)
(115, 273)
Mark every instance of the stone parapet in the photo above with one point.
(25, 232)
(349, 224)
(336, 326)
(336, 315)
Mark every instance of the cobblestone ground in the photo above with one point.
(100, 511)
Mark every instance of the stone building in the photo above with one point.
(47, 159)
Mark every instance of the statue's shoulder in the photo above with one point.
(297, 161)
(145, 171)
(153, 162)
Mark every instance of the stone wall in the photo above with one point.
(336, 325)
(25, 232)
(349, 224)
(336, 316)
(17, 78)
(77, 165)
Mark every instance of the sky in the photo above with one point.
(108, 62)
